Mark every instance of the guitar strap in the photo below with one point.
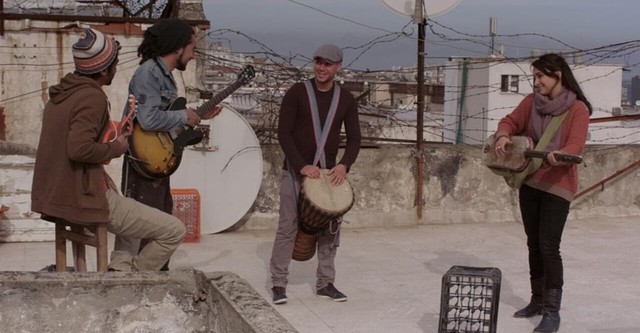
(515, 180)
(549, 132)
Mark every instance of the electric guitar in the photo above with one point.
(157, 155)
(115, 128)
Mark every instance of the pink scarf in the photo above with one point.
(543, 109)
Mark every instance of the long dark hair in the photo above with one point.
(164, 37)
(551, 63)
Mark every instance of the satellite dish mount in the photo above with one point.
(420, 9)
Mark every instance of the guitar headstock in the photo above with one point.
(127, 122)
(568, 158)
(247, 74)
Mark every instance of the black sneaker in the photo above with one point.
(279, 295)
(332, 293)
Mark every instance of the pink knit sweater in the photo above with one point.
(559, 180)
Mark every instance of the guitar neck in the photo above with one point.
(560, 157)
(219, 97)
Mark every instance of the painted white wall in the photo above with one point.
(485, 104)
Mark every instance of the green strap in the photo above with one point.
(546, 137)
(517, 179)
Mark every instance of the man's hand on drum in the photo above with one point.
(310, 171)
(338, 174)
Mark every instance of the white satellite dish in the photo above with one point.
(227, 175)
(432, 8)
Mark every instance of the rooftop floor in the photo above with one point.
(393, 276)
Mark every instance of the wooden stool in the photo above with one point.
(75, 232)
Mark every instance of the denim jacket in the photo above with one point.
(154, 88)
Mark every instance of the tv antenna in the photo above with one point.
(419, 11)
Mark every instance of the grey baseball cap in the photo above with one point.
(329, 52)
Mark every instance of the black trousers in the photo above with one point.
(544, 216)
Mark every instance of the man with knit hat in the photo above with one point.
(70, 181)
(312, 115)
(167, 45)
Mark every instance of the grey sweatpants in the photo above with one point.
(286, 236)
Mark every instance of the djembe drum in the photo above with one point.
(319, 204)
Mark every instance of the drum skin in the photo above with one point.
(320, 202)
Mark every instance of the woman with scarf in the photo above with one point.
(546, 195)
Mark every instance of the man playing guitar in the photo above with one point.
(167, 45)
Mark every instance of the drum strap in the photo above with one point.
(295, 189)
(321, 132)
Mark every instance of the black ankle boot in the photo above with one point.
(551, 318)
(535, 306)
(532, 309)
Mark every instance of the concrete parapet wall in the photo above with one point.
(177, 301)
(239, 307)
(457, 187)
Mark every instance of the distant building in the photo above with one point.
(480, 91)
(635, 90)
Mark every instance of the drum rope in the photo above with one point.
(321, 131)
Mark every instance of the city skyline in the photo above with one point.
(374, 37)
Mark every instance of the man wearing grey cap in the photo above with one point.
(312, 115)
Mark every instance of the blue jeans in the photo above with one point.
(544, 216)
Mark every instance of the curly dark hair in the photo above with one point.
(164, 37)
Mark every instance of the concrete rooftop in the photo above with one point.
(393, 276)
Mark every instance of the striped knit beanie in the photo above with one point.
(94, 52)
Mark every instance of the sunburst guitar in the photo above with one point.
(157, 155)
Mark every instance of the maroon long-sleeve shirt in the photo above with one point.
(295, 127)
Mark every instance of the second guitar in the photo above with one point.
(158, 154)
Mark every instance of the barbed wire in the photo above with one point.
(283, 70)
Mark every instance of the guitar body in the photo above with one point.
(157, 155)
(514, 159)
(518, 154)
(154, 154)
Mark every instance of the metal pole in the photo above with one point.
(420, 121)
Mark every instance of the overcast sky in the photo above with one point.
(367, 29)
